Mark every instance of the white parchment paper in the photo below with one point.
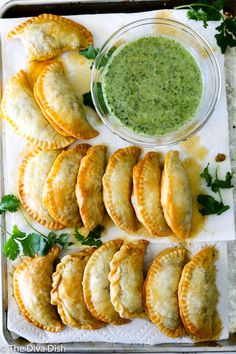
(214, 136)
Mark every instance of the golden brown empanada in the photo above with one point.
(176, 195)
(67, 291)
(198, 295)
(96, 285)
(126, 279)
(161, 291)
(60, 103)
(21, 110)
(117, 188)
(31, 179)
(59, 189)
(147, 195)
(47, 36)
(89, 186)
(32, 283)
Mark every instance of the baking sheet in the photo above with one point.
(216, 130)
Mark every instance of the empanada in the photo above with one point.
(146, 196)
(198, 295)
(117, 188)
(21, 110)
(96, 285)
(126, 279)
(176, 195)
(32, 283)
(161, 291)
(60, 103)
(67, 291)
(47, 36)
(89, 186)
(31, 179)
(59, 189)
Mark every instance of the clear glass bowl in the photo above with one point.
(199, 49)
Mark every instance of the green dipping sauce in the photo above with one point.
(152, 85)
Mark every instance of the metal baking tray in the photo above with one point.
(27, 8)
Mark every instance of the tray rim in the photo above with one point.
(86, 347)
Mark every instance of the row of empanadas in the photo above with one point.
(90, 288)
(52, 116)
(75, 184)
(181, 296)
(162, 202)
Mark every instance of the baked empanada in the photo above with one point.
(60, 103)
(117, 188)
(47, 36)
(32, 283)
(96, 285)
(59, 189)
(67, 291)
(31, 179)
(161, 291)
(89, 186)
(126, 279)
(176, 195)
(198, 295)
(21, 110)
(146, 196)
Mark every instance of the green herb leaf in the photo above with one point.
(211, 205)
(224, 184)
(87, 99)
(17, 234)
(90, 52)
(35, 244)
(226, 35)
(206, 175)
(9, 203)
(11, 249)
(105, 58)
(93, 237)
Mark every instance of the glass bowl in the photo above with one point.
(191, 41)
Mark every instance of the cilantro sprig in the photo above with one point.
(205, 10)
(93, 237)
(209, 203)
(36, 243)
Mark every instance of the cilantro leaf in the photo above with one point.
(93, 237)
(87, 99)
(224, 184)
(226, 35)
(17, 234)
(11, 249)
(63, 240)
(35, 244)
(207, 176)
(211, 205)
(9, 203)
(90, 52)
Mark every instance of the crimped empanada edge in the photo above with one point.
(114, 278)
(117, 156)
(138, 187)
(17, 294)
(49, 113)
(184, 284)
(44, 145)
(154, 317)
(53, 224)
(88, 291)
(48, 194)
(87, 164)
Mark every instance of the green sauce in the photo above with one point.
(152, 85)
